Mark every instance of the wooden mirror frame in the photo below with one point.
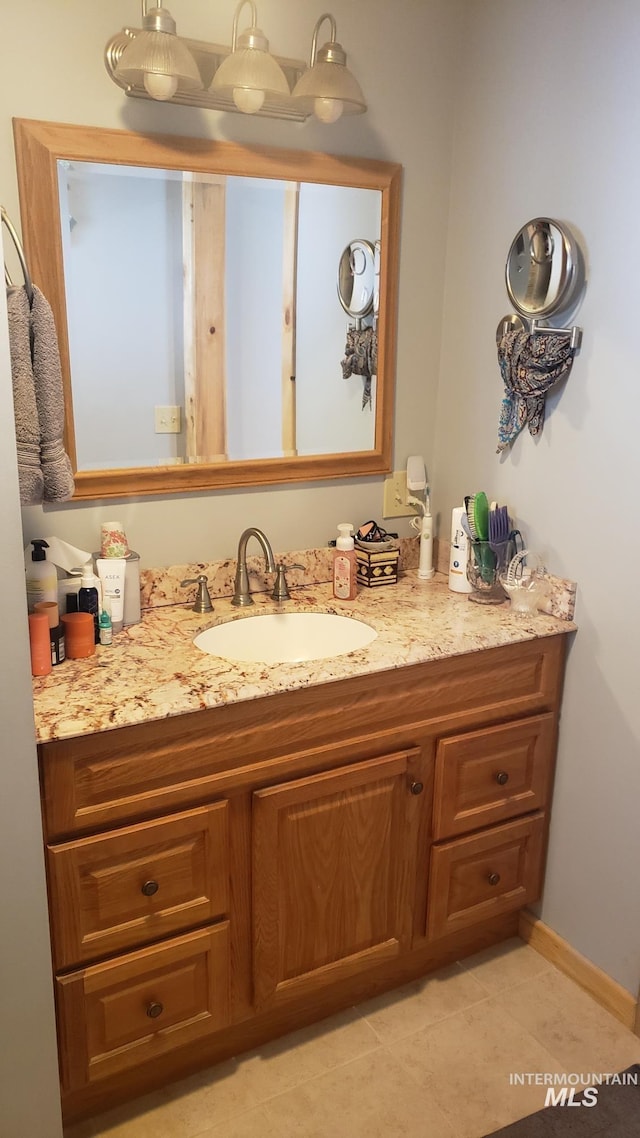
(39, 146)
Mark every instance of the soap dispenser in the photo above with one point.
(42, 578)
(344, 564)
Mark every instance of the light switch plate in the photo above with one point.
(168, 420)
(394, 504)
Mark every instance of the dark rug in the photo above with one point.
(615, 1114)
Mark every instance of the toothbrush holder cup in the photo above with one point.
(487, 561)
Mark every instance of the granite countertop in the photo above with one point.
(153, 670)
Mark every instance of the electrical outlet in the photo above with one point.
(395, 496)
(168, 420)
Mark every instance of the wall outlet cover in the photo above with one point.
(168, 420)
(394, 503)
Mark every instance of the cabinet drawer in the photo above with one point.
(483, 777)
(484, 875)
(128, 887)
(115, 1016)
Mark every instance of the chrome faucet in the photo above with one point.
(241, 592)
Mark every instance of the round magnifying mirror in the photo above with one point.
(542, 268)
(357, 278)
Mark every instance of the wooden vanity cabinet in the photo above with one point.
(221, 878)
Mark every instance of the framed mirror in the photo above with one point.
(193, 284)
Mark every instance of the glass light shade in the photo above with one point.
(248, 71)
(159, 54)
(326, 82)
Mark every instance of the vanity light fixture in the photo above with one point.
(328, 89)
(249, 73)
(155, 63)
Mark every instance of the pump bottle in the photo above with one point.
(42, 578)
(88, 598)
(344, 564)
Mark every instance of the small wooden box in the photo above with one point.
(374, 568)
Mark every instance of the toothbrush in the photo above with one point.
(425, 529)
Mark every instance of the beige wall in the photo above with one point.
(409, 121)
(29, 1099)
(548, 123)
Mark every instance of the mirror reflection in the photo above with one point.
(357, 279)
(541, 270)
(202, 370)
(193, 284)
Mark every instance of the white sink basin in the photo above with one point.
(278, 638)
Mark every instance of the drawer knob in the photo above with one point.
(502, 778)
(154, 1010)
(417, 787)
(149, 888)
(494, 878)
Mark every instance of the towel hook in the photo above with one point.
(4, 217)
(537, 329)
(514, 323)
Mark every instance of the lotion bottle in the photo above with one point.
(344, 564)
(42, 578)
(88, 599)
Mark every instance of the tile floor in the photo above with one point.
(430, 1060)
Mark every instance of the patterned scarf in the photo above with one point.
(361, 358)
(530, 366)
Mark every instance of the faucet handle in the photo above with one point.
(280, 588)
(202, 602)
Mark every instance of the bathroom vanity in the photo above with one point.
(284, 841)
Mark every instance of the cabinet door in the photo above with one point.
(334, 860)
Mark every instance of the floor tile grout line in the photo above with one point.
(350, 1063)
(431, 1023)
(434, 1080)
(222, 1121)
(303, 1082)
(508, 987)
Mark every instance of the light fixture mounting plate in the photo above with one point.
(208, 57)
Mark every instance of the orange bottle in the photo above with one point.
(39, 644)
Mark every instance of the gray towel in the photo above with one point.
(24, 399)
(47, 374)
